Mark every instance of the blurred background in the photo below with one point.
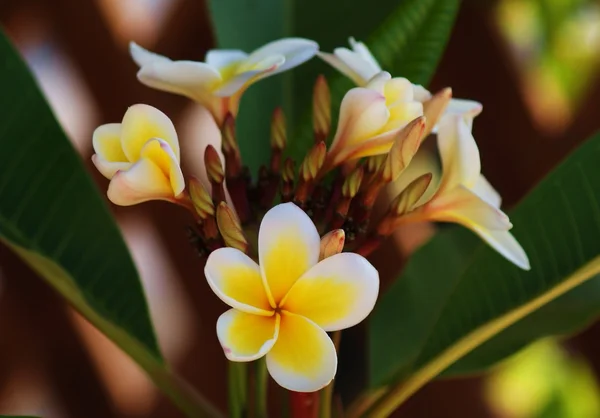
(534, 64)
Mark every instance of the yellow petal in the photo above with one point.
(246, 337)
(337, 293)
(247, 74)
(402, 113)
(161, 154)
(106, 141)
(398, 89)
(142, 182)
(463, 206)
(235, 278)
(288, 246)
(303, 359)
(506, 244)
(458, 151)
(142, 123)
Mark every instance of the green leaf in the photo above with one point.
(408, 38)
(53, 217)
(458, 299)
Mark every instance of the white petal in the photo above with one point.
(295, 50)
(246, 337)
(236, 280)
(222, 58)
(343, 67)
(109, 168)
(365, 53)
(486, 191)
(143, 57)
(421, 94)
(359, 65)
(244, 78)
(378, 82)
(458, 151)
(506, 244)
(303, 359)
(288, 246)
(337, 293)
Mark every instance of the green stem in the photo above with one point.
(237, 373)
(327, 392)
(261, 380)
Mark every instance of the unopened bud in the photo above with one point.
(289, 169)
(321, 109)
(375, 162)
(278, 130)
(332, 243)
(231, 228)
(200, 198)
(313, 162)
(228, 134)
(408, 198)
(352, 183)
(434, 108)
(403, 150)
(214, 168)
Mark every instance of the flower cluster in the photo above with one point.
(292, 286)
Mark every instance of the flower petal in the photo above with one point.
(143, 57)
(423, 162)
(458, 151)
(106, 141)
(192, 79)
(486, 191)
(468, 109)
(506, 244)
(224, 58)
(235, 278)
(342, 66)
(142, 123)
(360, 66)
(362, 50)
(288, 246)
(303, 359)
(398, 89)
(245, 77)
(463, 206)
(161, 154)
(378, 82)
(295, 50)
(142, 182)
(109, 168)
(402, 113)
(246, 337)
(337, 293)
(421, 94)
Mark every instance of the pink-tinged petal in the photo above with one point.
(106, 141)
(462, 206)
(506, 244)
(244, 77)
(295, 51)
(337, 293)
(224, 58)
(142, 182)
(303, 359)
(161, 154)
(246, 337)
(458, 151)
(342, 66)
(486, 191)
(109, 168)
(142, 123)
(236, 280)
(288, 246)
(363, 114)
(195, 80)
(143, 57)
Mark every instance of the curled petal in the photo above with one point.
(463, 206)
(378, 82)
(142, 182)
(288, 244)
(295, 51)
(468, 109)
(421, 94)
(486, 191)
(109, 168)
(458, 151)
(506, 244)
(142, 123)
(161, 154)
(235, 278)
(246, 337)
(143, 57)
(303, 359)
(398, 90)
(337, 293)
(362, 50)
(242, 79)
(106, 141)
(343, 66)
(401, 113)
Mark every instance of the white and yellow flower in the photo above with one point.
(284, 307)
(219, 82)
(360, 66)
(140, 156)
(371, 116)
(462, 195)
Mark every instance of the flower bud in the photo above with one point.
(321, 109)
(352, 183)
(313, 162)
(332, 243)
(409, 197)
(231, 228)
(278, 130)
(214, 168)
(434, 108)
(201, 199)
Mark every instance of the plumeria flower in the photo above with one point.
(463, 195)
(219, 82)
(360, 66)
(140, 156)
(284, 307)
(371, 116)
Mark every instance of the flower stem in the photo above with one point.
(237, 389)
(261, 380)
(325, 401)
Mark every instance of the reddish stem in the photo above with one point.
(304, 405)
